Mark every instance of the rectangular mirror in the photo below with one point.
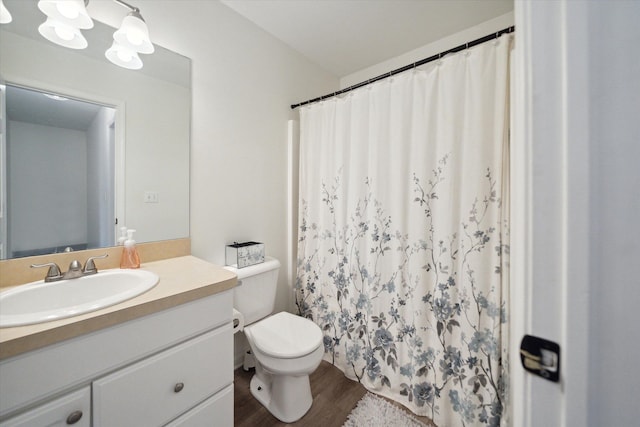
(147, 160)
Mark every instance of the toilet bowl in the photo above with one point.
(286, 348)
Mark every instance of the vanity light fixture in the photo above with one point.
(65, 18)
(123, 56)
(70, 12)
(5, 15)
(130, 39)
(62, 34)
(133, 32)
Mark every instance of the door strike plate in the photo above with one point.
(541, 357)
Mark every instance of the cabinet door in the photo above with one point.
(217, 411)
(72, 409)
(156, 390)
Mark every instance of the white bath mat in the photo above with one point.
(374, 411)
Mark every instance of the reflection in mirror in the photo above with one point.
(152, 115)
(60, 173)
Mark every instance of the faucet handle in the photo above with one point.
(75, 265)
(53, 273)
(90, 266)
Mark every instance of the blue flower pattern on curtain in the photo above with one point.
(403, 238)
(468, 363)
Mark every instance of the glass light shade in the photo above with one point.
(62, 34)
(124, 57)
(5, 16)
(70, 12)
(134, 34)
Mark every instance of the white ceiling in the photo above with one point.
(345, 36)
(32, 106)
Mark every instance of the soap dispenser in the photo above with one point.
(130, 258)
(123, 236)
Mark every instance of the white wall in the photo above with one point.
(54, 182)
(426, 51)
(243, 84)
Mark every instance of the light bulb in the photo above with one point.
(68, 9)
(70, 12)
(135, 37)
(134, 34)
(64, 32)
(125, 55)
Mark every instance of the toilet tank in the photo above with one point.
(255, 294)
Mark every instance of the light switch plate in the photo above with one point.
(151, 197)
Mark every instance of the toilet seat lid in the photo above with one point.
(285, 335)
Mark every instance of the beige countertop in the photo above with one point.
(182, 279)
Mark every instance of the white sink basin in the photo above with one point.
(39, 302)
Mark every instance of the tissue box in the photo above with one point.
(244, 254)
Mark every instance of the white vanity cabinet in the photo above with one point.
(173, 367)
(156, 390)
(72, 409)
(212, 412)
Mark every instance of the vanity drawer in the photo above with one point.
(158, 389)
(71, 409)
(217, 411)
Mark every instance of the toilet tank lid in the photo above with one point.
(268, 265)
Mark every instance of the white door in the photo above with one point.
(576, 180)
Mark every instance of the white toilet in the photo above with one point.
(287, 348)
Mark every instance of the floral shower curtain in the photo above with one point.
(403, 235)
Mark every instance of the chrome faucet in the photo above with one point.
(75, 269)
(90, 266)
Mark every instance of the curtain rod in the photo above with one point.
(410, 66)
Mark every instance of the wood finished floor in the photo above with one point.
(334, 396)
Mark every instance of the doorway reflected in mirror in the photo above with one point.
(59, 174)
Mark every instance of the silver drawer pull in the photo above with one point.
(74, 417)
(178, 387)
